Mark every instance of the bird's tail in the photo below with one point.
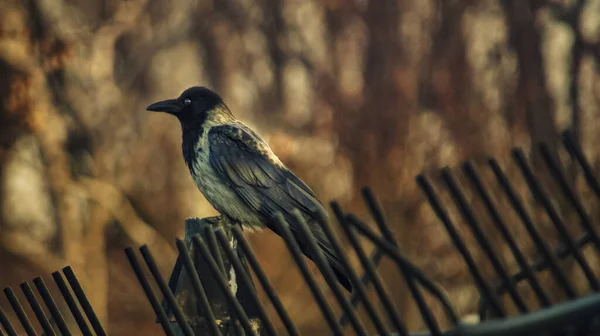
(334, 261)
(323, 243)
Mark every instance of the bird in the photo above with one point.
(240, 176)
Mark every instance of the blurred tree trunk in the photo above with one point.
(533, 106)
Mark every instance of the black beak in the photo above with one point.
(169, 106)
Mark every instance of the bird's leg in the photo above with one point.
(213, 220)
(230, 222)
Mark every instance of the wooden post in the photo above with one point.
(181, 286)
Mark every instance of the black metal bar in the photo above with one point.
(37, 309)
(246, 281)
(166, 291)
(198, 287)
(70, 300)
(370, 272)
(264, 281)
(158, 308)
(294, 249)
(526, 268)
(377, 213)
(484, 288)
(18, 309)
(10, 331)
(83, 301)
(542, 264)
(202, 248)
(375, 256)
(403, 262)
(558, 174)
(516, 203)
(484, 243)
(327, 273)
(424, 309)
(537, 191)
(575, 151)
(543, 322)
(211, 240)
(358, 286)
(51, 305)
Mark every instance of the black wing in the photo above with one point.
(243, 159)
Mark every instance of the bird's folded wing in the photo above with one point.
(244, 160)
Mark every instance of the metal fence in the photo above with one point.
(55, 323)
(212, 292)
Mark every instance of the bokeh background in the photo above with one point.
(347, 92)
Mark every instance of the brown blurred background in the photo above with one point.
(348, 94)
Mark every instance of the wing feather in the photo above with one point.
(241, 158)
(244, 161)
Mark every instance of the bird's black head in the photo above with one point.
(193, 106)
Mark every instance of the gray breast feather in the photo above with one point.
(218, 192)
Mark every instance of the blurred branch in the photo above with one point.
(456, 104)
(116, 202)
(96, 266)
(35, 58)
(125, 18)
(62, 17)
(22, 245)
(145, 54)
(535, 107)
(572, 17)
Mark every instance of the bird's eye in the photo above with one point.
(187, 101)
